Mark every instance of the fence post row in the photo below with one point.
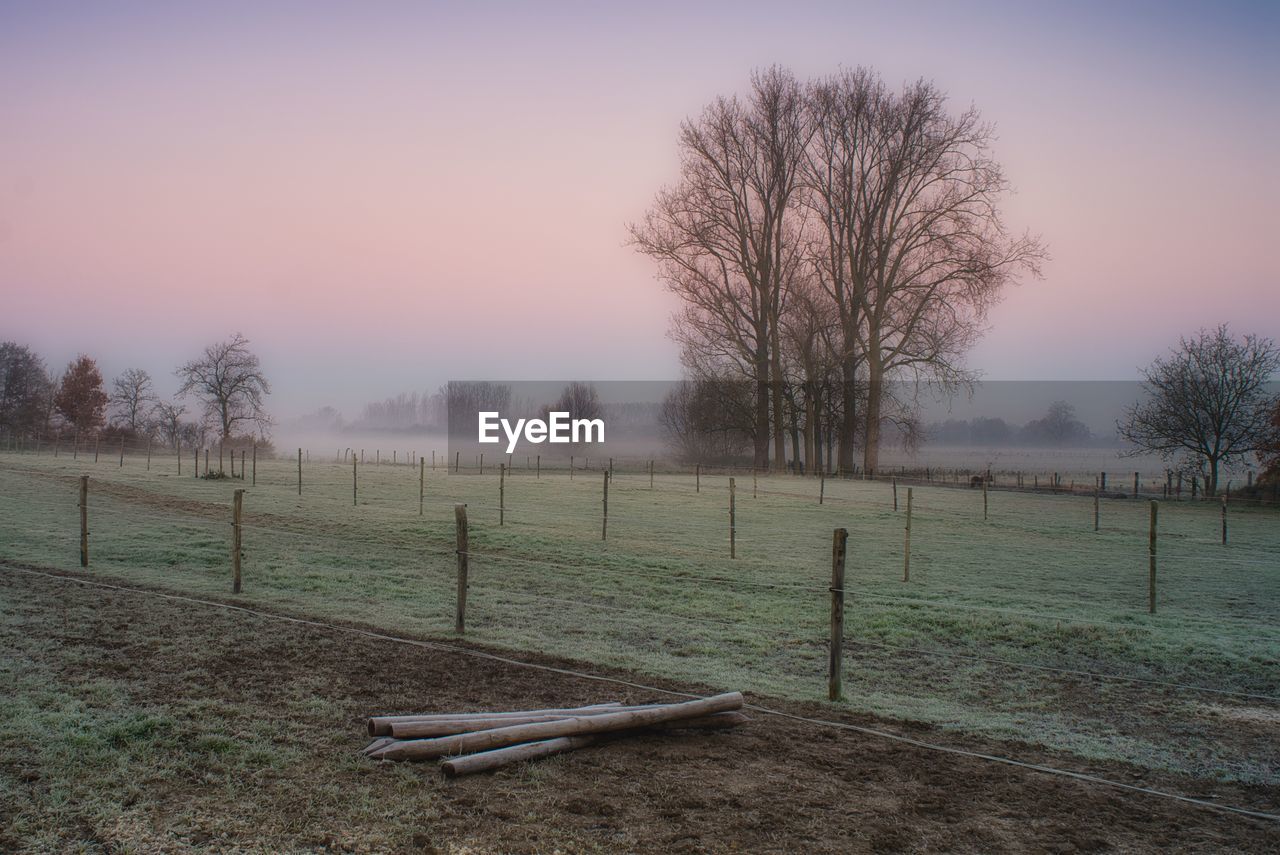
(460, 522)
(502, 493)
(835, 666)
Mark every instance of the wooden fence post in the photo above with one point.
(482, 463)
(1151, 559)
(206, 463)
(221, 447)
(355, 482)
(457, 462)
(604, 520)
(755, 484)
(537, 471)
(237, 507)
(122, 452)
(570, 467)
(697, 478)
(733, 521)
(984, 499)
(460, 522)
(97, 440)
(84, 520)
(254, 482)
(651, 474)
(1097, 502)
(177, 450)
(822, 488)
(422, 481)
(242, 464)
(502, 493)
(299, 471)
(835, 659)
(148, 454)
(906, 551)
(1135, 485)
(1224, 519)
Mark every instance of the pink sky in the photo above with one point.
(386, 198)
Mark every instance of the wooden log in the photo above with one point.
(449, 727)
(381, 725)
(489, 760)
(467, 743)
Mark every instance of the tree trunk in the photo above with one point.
(810, 417)
(1211, 483)
(779, 412)
(762, 408)
(848, 411)
(875, 396)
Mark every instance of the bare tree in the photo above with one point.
(228, 380)
(1269, 453)
(168, 418)
(132, 394)
(1207, 401)
(724, 239)
(912, 245)
(579, 400)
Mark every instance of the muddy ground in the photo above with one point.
(136, 723)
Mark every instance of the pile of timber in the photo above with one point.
(480, 741)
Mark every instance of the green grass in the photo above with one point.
(1033, 584)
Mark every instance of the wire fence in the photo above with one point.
(983, 633)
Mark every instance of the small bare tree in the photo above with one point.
(168, 418)
(132, 394)
(229, 381)
(1207, 401)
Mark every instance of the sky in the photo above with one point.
(383, 197)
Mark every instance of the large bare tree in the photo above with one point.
(1207, 401)
(726, 242)
(912, 246)
(228, 379)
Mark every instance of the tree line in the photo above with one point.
(225, 383)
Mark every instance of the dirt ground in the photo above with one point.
(301, 693)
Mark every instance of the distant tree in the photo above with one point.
(1207, 401)
(80, 399)
(579, 400)
(132, 396)
(1269, 453)
(1058, 427)
(708, 420)
(228, 380)
(167, 416)
(986, 431)
(466, 399)
(25, 389)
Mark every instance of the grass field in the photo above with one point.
(966, 644)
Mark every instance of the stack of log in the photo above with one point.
(481, 741)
